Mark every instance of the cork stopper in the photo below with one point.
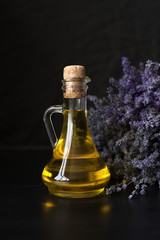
(74, 84)
(74, 71)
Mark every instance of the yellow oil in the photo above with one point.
(76, 169)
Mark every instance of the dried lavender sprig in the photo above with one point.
(125, 126)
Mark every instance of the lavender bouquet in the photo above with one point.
(125, 126)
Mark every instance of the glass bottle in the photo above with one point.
(75, 169)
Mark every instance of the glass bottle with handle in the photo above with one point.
(75, 169)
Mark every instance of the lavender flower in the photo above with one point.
(125, 126)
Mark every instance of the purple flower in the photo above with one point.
(125, 126)
(142, 192)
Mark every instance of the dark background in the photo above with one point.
(40, 37)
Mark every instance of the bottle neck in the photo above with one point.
(75, 124)
(75, 103)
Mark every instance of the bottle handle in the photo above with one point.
(49, 125)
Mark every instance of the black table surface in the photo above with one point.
(28, 211)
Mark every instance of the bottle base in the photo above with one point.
(86, 194)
